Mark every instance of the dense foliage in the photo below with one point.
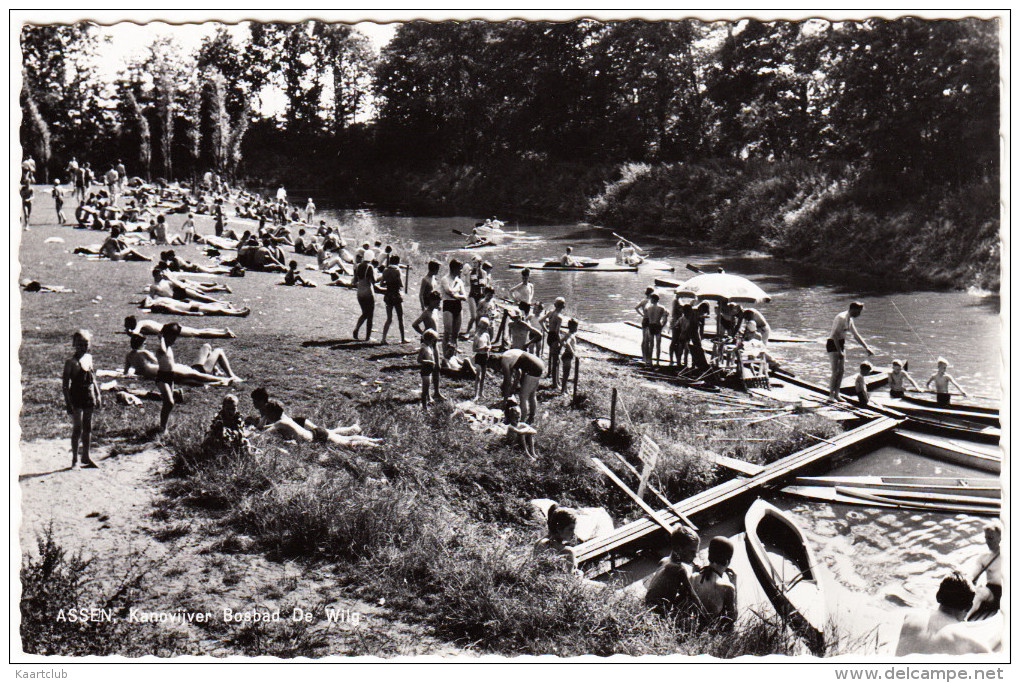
(884, 118)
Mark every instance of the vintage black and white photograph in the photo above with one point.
(673, 335)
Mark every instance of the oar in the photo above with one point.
(462, 234)
(633, 496)
(694, 269)
(657, 493)
(620, 237)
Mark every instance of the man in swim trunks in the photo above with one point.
(429, 283)
(454, 295)
(835, 345)
(646, 338)
(568, 353)
(523, 292)
(530, 369)
(552, 323)
(481, 346)
(657, 316)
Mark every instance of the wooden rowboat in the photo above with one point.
(851, 496)
(934, 506)
(912, 406)
(785, 567)
(959, 451)
(984, 487)
(608, 265)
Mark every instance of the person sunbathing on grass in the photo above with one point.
(164, 286)
(162, 304)
(113, 248)
(561, 536)
(273, 418)
(133, 325)
(144, 363)
(172, 262)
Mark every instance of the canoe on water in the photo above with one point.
(979, 487)
(924, 408)
(785, 566)
(607, 265)
(978, 456)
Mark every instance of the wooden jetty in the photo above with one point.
(645, 533)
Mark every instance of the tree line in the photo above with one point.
(909, 101)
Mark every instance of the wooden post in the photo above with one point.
(502, 326)
(577, 367)
(612, 412)
(407, 278)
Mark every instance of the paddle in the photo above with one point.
(694, 269)
(624, 239)
(462, 234)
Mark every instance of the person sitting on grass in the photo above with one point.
(172, 263)
(81, 396)
(211, 360)
(942, 381)
(274, 419)
(518, 431)
(670, 590)
(561, 536)
(428, 362)
(716, 584)
(226, 432)
(144, 364)
(292, 277)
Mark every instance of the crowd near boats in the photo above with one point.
(702, 333)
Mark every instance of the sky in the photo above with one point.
(128, 41)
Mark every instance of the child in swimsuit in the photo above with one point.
(942, 381)
(428, 366)
(292, 277)
(81, 396)
(896, 378)
(656, 315)
(481, 347)
(861, 384)
(58, 199)
(569, 351)
(165, 373)
(552, 321)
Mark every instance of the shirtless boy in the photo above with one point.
(716, 584)
(942, 381)
(897, 388)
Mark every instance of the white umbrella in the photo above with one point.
(723, 286)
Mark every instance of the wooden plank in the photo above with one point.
(746, 469)
(637, 499)
(639, 533)
(658, 494)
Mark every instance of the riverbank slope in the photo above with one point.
(828, 216)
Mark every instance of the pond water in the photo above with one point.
(916, 326)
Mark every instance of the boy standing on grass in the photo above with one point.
(58, 200)
(552, 322)
(569, 352)
(428, 359)
(481, 346)
(81, 396)
(165, 371)
(942, 381)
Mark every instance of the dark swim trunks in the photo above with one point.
(833, 346)
(530, 365)
(896, 394)
(452, 306)
(942, 399)
(166, 377)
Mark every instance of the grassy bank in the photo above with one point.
(437, 522)
(828, 216)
